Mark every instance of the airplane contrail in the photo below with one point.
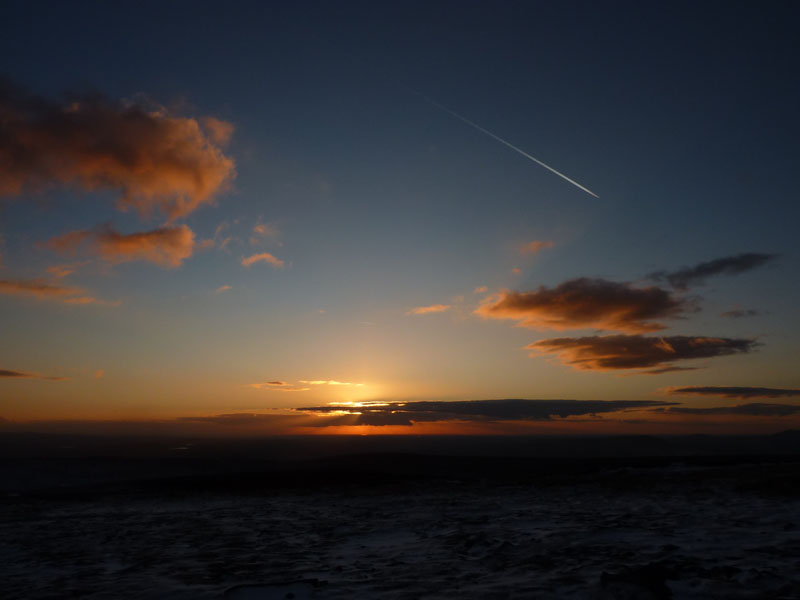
(501, 140)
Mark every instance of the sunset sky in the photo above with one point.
(212, 214)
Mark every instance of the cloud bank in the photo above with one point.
(732, 392)
(406, 413)
(583, 303)
(750, 410)
(155, 160)
(613, 352)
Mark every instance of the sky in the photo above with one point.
(306, 217)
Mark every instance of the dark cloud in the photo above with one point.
(154, 159)
(407, 413)
(9, 374)
(751, 410)
(165, 246)
(604, 353)
(585, 302)
(740, 314)
(684, 278)
(732, 391)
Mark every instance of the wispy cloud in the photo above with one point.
(739, 392)
(60, 271)
(583, 303)
(223, 288)
(156, 160)
(612, 352)
(329, 382)
(9, 374)
(263, 257)
(684, 278)
(481, 289)
(44, 290)
(278, 386)
(426, 310)
(262, 232)
(535, 246)
(166, 246)
(739, 313)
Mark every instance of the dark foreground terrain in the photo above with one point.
(385, 518)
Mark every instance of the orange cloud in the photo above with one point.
(43, 290)
(167, 246)
(426, 310)
(60, 271)
(223, 288)
(611, 352)
(583, 303)
(262, 231)
(263, 257)
(535, 246)
(481, 289)
(154, 159)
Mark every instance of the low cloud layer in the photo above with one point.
(613, 352)
(749, 410)
(426, 310)
(406, 413)
(587, 303)
(155, 160)
(9, 374)
(684, 278)
(732, 392)
(166, 246)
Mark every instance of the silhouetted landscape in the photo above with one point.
(401, 517)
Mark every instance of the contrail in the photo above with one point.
(501, 140)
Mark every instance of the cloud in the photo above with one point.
(516, 271)
(328, 382)
(166, 246)
(535, 246)
(732, 392)
(9, 374)
(263, 257)
(611, 352)
(739, 314)
(262, 231)
(684, 278)
(751, 410)
(278, 386)
(481, 289)
(223, 288)
(426, 310)
(406, 413)
(60, 271)
(44, 290)
(99, 374)
(154, 159)
(583, 303)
